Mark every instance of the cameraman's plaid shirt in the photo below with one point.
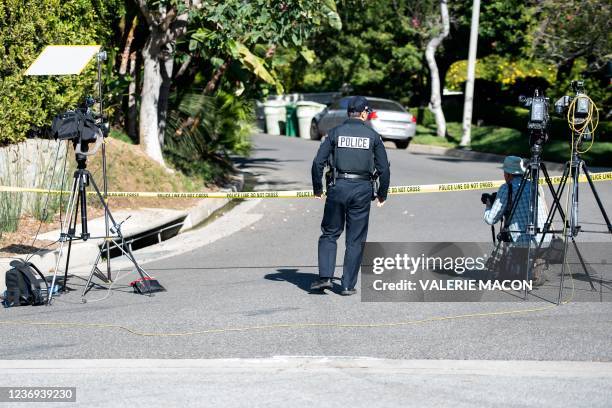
(518, 224)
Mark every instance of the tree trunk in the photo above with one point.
(166, 25)
(132, 111)
(435, 104)
(149, 112)
(466, 137)
(166, 68)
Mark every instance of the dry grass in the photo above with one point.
(129, 169)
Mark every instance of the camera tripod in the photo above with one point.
(78, 202)
(572, 170)
(532, 175)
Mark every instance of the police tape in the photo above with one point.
(396, 190)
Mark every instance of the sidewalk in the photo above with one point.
(320, 381)
(142, 226)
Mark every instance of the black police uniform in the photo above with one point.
(355, 150)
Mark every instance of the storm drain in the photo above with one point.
(152, 237)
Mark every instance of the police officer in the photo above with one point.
(354, 152)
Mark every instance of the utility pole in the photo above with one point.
(466, 137)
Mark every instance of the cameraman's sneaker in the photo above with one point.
(539, 274)
(321, 284)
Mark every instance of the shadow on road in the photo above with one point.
(299, 279)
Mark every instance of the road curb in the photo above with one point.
(511, 368)
(470, 155)
(207, 207)
(84, 253)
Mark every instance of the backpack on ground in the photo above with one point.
(25, 285)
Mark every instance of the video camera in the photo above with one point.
(488, 199)
(582, 103)
(81, 126)
(539, 120)
(582, 109)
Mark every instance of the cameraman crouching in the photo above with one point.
(514, 231)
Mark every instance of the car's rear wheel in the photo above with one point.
(402, 144)
(314, 130)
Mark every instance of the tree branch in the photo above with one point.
(212, 84)
(183, 67)
(125, 55)
(144, 9)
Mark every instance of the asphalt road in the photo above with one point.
(244, 294)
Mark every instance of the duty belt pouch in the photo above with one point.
(374, 188)
(504, 235)
(329, 178)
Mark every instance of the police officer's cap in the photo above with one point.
(358, 104)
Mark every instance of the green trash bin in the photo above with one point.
(291, 123)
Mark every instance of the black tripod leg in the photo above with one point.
(584, 266)
(83, 199)
(519, 193)
(65, 233)
(120, 245)
(599, 203)
(557, 196)
(549, 218)
(562, 278)
(574, 227)
(73, 228)
(93, 271)
(102, 201)
(532, 226)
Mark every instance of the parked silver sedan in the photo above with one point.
(388, 118)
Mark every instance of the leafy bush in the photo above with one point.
(203, 131)
(491, 112)
(54, 173)
(27, 27)
(501, 70)
(423, 115)
(11, 204)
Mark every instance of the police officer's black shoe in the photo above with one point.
(348, 292)
(321, 284)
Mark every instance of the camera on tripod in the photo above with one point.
(539, 120)
(82, 126)
(582, 110)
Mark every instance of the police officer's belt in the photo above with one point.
(353, 176)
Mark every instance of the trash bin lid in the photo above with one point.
(275, 103)
(310, 103)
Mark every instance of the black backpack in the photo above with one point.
(23, 285)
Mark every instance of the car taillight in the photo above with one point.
(372, 115)
(413, 119)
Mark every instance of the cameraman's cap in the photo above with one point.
(358, 104)
(513, 165)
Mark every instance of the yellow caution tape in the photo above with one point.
(396, 190)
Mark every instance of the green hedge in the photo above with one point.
(514, 117)
(27, 27)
